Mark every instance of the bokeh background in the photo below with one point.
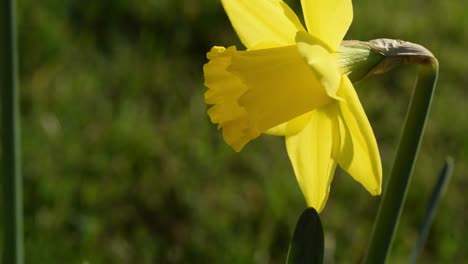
(121, 164)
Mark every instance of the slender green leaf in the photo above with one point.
(308, 243)
(436, 196)
(10, 135)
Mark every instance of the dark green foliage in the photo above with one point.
(307, 244)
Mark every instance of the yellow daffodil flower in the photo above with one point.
(289, 83)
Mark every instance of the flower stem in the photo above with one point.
(394, 195)
(12, 182)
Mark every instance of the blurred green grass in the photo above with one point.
(122, 165)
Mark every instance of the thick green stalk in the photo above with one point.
(394, 195)
(11, 173)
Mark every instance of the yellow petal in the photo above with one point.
(328, 20)
(291, 127)
(310, 153)
(257, 21)
(321, 62)
(359, 154)
(253, 91)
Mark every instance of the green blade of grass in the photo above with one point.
(436, 196)
(11, 176)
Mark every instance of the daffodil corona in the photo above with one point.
(289, 83)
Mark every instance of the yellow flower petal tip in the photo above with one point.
(310, 152)
(358, 152)
(256, 21)
(328, 20)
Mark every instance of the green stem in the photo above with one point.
(395, 192)
(12, 194)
